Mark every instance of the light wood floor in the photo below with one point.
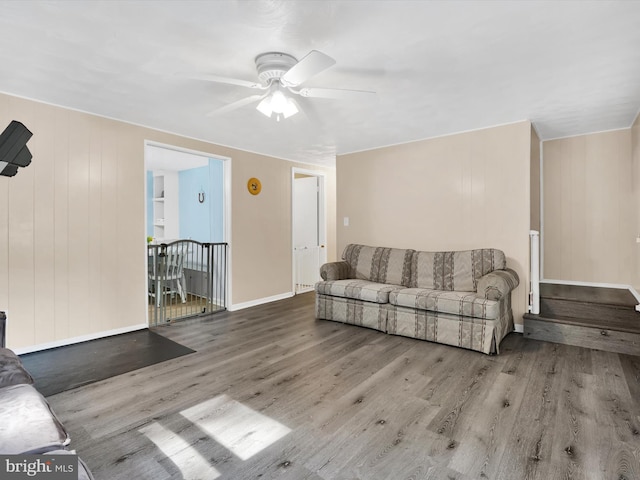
(273, 393)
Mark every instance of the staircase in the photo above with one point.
(591, 317)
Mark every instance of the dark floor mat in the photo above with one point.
(63, 368)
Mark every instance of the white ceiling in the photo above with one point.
(437, 67)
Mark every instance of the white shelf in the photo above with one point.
(165, 204)
(158, 206)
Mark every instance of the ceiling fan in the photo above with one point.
(280, 77)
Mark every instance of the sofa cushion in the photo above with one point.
(356, 289)
(454, 270)
(27, 424)
(379, 264)
(11, 370)
(456, 303)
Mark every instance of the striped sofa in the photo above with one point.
(458, 298)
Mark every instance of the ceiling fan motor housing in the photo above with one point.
(273, 65)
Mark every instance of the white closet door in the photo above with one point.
(306, 241)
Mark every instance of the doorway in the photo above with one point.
(308, 227)
(187, 226)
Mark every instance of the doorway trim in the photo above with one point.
(226, 227)
(322, 216)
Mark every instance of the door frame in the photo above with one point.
(226, 228)
(322, 218)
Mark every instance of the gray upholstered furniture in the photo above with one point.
(27, 423)
(458, 298)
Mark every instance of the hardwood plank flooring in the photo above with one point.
(273, 393)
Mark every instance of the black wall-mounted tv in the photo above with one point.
(14, 153)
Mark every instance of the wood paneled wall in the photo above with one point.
(72, 261)
(590, 209)
(635, 153)
(464, 191)
(72, 225)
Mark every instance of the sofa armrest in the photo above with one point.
(12, 372)
(497, 284)
(335, 271)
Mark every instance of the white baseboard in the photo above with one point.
(82, 338)
(259, 301)
(518, 328)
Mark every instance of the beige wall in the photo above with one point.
(262, 237)
(72, 225)
(535, 180)
(463, 191)
(590, 209)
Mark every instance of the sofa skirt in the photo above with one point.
(351, 311)
(466, 332)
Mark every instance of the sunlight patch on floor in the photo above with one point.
(189, 461)
(240, 429)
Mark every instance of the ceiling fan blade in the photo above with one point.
(334, 93)
(230, 81)
(235, 105)
(314, 63)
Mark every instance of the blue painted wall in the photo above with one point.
(201, 221)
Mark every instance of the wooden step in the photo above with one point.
(582, 293)
(585, 316)
(623, 338)
(604, 313)
(607, 306)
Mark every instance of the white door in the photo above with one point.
(308, 249)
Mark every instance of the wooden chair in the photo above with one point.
(166, 275)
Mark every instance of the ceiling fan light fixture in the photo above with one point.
(290, 108)
(278, 101)
(279, 104)
(264, 106)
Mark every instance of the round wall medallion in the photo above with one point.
(254, 186)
